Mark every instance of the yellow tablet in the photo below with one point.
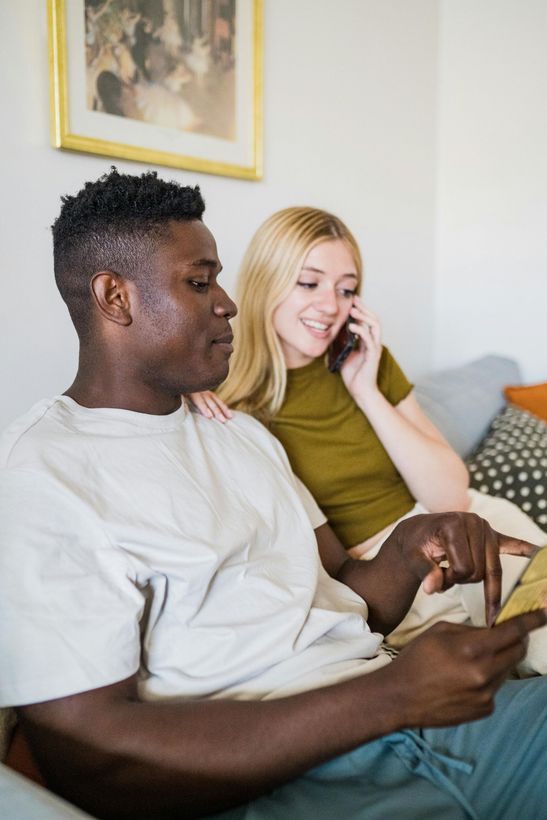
(530, 591)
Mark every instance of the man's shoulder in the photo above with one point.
(246, 422)
(240, 423)
(248, 426)
(23, 428)
(244, 431)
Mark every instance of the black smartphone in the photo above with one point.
(339, 350)
(530, 591)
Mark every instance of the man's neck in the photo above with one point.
(101, 391)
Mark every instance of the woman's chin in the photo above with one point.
(319, 349)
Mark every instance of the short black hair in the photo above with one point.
(115, 223)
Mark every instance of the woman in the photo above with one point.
(358, 438)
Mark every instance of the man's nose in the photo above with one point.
(224, 306)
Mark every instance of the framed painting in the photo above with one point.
(163, 82)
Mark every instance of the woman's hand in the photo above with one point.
(360, 370)
(434, 474)
(208, 404)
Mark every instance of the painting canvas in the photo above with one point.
(173, 82)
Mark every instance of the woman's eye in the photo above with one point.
(347, 293)
(199, 286)
(308, 285)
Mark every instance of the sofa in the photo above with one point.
(503, 445)
(467, 405)
(22, 800)
(463, 401)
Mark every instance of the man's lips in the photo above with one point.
(225, 341)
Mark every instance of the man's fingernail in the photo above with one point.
(492, 615)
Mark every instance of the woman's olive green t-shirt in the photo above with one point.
(336, 453)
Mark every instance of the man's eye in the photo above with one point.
(308, 285)
(199, 286)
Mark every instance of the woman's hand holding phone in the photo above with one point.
(360, 370)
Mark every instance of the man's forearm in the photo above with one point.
(114, 756)
(385, 583)
(117, 757)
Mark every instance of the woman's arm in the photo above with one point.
(435, 475)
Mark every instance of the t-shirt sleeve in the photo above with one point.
(392, 382)
(317, 519)
(69, 603)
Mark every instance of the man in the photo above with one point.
(168, 633)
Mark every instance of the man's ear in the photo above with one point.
(111, 294)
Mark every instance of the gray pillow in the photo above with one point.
(462, 401)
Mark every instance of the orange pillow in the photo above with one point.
(532, 398)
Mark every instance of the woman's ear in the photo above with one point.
(111, 295)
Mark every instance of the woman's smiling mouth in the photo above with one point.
(318, 329)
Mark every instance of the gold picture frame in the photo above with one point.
(110, 97)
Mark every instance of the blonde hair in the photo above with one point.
(270, 268)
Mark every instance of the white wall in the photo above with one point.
(350, 112)
(492, 182)
(352, 124)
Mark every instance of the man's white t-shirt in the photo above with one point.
(171, 546)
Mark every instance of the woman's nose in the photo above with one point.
(326, 301)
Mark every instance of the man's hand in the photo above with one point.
(457, 548)
(452, 672)
(437, 550)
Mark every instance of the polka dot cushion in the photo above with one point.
(511, 462)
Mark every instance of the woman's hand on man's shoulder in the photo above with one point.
(208, 404)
